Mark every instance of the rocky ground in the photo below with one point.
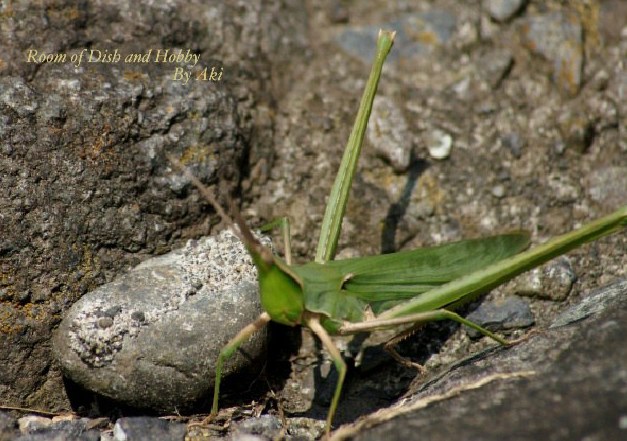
(491, 116)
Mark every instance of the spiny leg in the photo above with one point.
(420, 317)
(442, 314)
(314, 324)
(390, 348)
(230, 348)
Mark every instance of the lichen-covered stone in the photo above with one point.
(150, 338)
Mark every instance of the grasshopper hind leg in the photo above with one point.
(442, 314)
(418, 319)
(390, 347)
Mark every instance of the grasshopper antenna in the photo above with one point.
(242, 231)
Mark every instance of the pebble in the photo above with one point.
(147, 429)
(389, 134)
(439, 144)
(71, 427)
(558, 37)
(504, 10)
(509, 313)
(261, 428)
(498, 191)
(552, 281)
(150, 338)
(39, 428)
(32, 423)
(495, 65)
(514, 143)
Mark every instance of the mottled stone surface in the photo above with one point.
(147, 429)
(505, 314)
(558, 37)
(416, 35)
(570, 385)
(86, 190)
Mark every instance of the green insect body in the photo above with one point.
(342, 290)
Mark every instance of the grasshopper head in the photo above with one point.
(280, 290)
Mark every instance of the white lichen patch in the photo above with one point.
(98, 331)
(218, 263)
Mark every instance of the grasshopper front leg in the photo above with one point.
(230, 348)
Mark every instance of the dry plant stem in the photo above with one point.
(29, 410)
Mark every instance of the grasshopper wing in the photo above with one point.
(385, 280)
(342, 289)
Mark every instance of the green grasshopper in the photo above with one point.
(341, 297)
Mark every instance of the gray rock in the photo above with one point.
(33, 423)
(498, 191)
(503, 10)
(514, 143)
(37, 428)
(495, 65)
(262, 428)
(305, 428)
(147, 429)
(595, 302)
(558, 36)
(416, 34)
(389, 134)
(567, 382)
(151, 338)
(509, 313)
(552, 281)
(8, 427)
